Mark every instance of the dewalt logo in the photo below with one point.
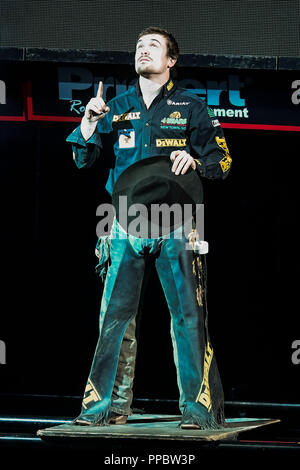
(171, 142)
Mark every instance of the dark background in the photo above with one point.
(255, 27)
(50, 295)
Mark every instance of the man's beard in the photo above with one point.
(145, 71)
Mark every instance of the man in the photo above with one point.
(155, 118)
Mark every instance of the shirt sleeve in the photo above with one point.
(208, 144)
(85, 152)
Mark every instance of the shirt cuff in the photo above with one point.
(76, 138)
(199, 166)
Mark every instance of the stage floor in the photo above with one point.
(39, 430)
(149, 426)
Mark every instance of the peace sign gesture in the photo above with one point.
(96, 108)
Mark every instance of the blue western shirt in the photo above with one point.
(176, 120)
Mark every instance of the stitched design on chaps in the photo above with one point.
(197, 271)
(204, 396)
(90, 394)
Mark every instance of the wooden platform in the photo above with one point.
(161, 427)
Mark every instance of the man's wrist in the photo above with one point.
(87, 128)
(199, 166)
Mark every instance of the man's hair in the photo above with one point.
(172, 46)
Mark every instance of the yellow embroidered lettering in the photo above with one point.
(171, 142)
(225, 163)
(170, 85)
(204, 396)
(126, 116)
(222, 143)
(90, 394)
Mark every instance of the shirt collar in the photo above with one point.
(148, 87)
(166, 90)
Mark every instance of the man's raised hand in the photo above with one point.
(96, 108)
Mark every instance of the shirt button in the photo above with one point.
(147, 123)
(146, 145)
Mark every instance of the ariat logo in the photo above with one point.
(126, 116)
(170, 142)
(226, 161)
(90, 394)
(204, 396)
(177, 103)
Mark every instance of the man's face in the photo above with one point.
(151, 56)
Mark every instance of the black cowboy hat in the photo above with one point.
(151, 182)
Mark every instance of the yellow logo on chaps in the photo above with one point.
(90, 394)
(204, 396)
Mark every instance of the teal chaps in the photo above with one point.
(183, 278)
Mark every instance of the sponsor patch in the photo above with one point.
(210, 112)
(177, 103)
(225, 163)
(90, 395)
(171, 142)
(222, 143)
(174, 121)
(204, 395)
(126, 116)
(170, 85)
(126, 138)
(215, 122)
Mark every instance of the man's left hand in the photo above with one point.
(181, 161)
